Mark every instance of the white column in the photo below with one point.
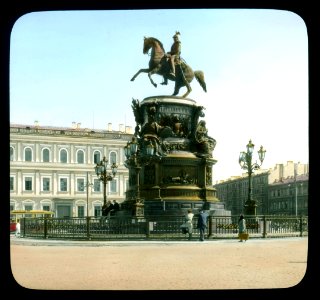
(37, 183)
(55, 183)
(72, 184)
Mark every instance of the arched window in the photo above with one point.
(113, 157)
(63, 156)
(11, 153)
(45, 155)
(80, 157)
(96, 157)
(27, 154)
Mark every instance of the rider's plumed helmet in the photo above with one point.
(176, 36)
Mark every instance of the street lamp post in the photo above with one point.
(104, 176)
(296, 188)
(245, 161)
(87, 185)
(88, 218)
(135, 160)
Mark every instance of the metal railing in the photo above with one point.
(160, 227)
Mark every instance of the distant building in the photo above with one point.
(49, 167)
(279, 191)
(289, 196)
(234, 192)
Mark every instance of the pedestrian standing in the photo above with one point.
(202, 224)
(116, 205)
(106, 208)
(242, 228)
(17, 233)
(189, 218)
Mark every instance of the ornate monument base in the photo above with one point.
(170, 159)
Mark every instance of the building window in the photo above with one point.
(11, 153)
(96, 157)
(28, 207)
(27, 154)
(80, 185)
(97, 211)
(63, 184)
(80, 157)
(113, 157)
(63, 156)
(11, 183)
(46, 207)
(80, 211)
(28, 184)
(96, 185)
(46, 184)
(45, 155)
(113, 186)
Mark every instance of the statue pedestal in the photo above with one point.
(179, 175)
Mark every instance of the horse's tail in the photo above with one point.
(200, 78)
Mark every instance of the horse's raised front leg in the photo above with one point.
(149, 75)
(140, 71)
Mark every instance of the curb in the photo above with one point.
(85, 243)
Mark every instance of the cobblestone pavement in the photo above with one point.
(158, 265)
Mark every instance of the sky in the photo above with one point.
(76, 66)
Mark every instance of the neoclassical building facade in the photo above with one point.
(53, 168)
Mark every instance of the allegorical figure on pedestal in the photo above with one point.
(137, 115)
(206, 144)
(150, 132)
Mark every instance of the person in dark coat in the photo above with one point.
(106, 208)
(202, 223)
(116, 205)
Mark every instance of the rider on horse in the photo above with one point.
(174, 54)
(159, 64)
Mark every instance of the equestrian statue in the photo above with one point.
(170, 65)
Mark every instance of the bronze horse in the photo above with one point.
(159, 64)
